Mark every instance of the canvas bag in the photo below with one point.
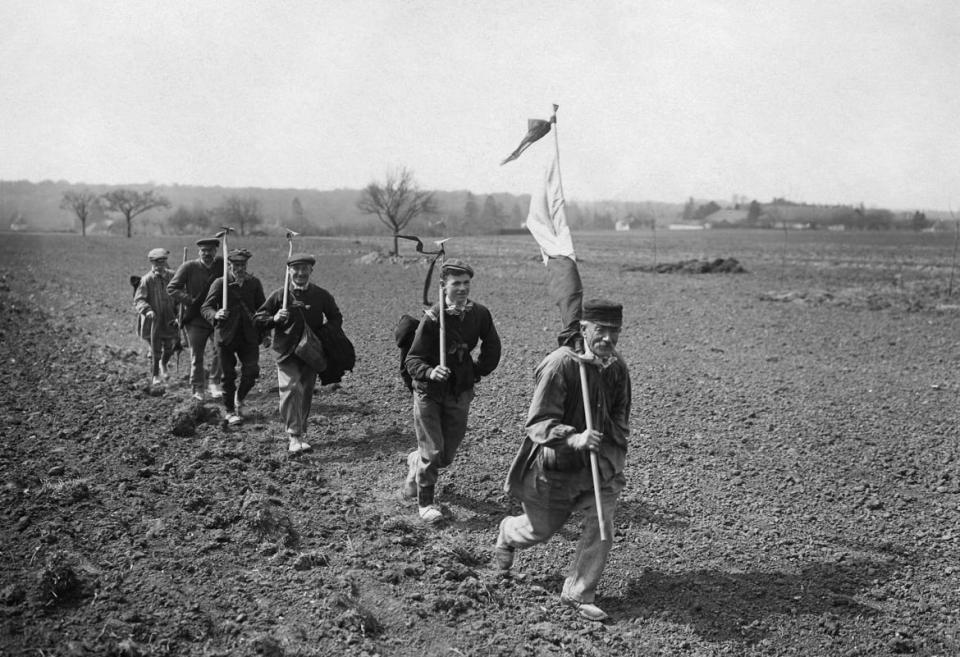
(310, 349)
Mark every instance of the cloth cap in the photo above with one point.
(301, 258)
(158, 254)
(239, 255)
(601, 311)
(209, 241)
(456, 266)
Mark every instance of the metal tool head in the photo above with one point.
(291, 234)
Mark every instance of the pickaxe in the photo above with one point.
(286, 276)
(223, 235)
(437, 257)
(181, 329)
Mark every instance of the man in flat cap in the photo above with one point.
(189, 287)
(442, 394)
(236, 336)
(157, 316)
(551, 474)
(309, 307)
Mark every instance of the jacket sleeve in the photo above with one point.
(489, 348)
(258, 298)
(263, 318)
(547, 408)
(331, 312)
(213, 301)
(424, 353)
(177, 287)
(141, 299)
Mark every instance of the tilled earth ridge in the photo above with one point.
(793, 475)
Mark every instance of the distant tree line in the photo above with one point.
(177, 209)
(782, 213)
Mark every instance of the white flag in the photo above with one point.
(547, 219)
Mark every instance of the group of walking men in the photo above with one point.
(551, 474)
(237, 315)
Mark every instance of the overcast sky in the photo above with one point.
(839, 101)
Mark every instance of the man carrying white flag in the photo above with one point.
(574, 448)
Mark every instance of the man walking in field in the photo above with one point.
(236, 337)
(157, 316)
(189, 287)
(442, 394)
(551, 473)
(308, 308)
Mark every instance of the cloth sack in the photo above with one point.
(310, 350)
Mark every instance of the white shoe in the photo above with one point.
(431, 514)
(157, 381)
(297, 445)
(216, 392)
(233, 418)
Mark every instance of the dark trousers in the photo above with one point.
(248, 357)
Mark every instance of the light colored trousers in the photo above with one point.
(197, 337)
(440, 428)
(551, 497)
(296, 380)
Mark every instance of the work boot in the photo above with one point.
(297, 446)
(233, 418)
(430, 514)
(503, 554)
(589, 611)
(409, 490)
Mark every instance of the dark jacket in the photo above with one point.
(556, 412)
(243, 300)
(463, 332)
(312, 307)
(189, 287)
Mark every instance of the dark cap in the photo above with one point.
(239, 255)
(209, 241)
(456, 267)
(157, 254)
(601, 311)
(301, 258)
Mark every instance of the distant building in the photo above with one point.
(727, 217)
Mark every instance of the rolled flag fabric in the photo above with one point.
(536, 128)
(547, 222)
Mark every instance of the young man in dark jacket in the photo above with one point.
(442, 394)
(236, 337)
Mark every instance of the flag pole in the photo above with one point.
(587, 408)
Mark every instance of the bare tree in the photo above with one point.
(131, 203)
(242, 211)
(397, 202)
(81, 204)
